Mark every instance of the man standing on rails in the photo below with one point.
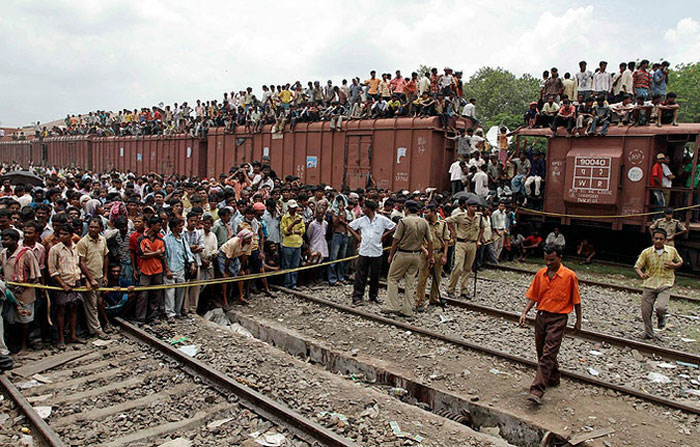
(411, 232)
(555, 291)
(656, 265)
(372, 229)
(467, 227)
(672, 227)
(438, 255)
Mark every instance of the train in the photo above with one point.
(588, 180)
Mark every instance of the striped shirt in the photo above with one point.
(641, 78)
(652, 263)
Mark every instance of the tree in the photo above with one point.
(684, 81)
(501, 97)
(422, 70)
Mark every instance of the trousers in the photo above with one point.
(192, 295)
(339, 247)
(465, 253)
(403, 266)
(549, 331)
(148, 303)
(366, 266)
(291, 257)
(660, 297)
(425, 272)
(175, 297)
(537, 180)
(90, 306)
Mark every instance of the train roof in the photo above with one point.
(624, 131)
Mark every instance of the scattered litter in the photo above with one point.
(190, 350)
(4, 417)
(370, 412)
(26, 441)
(42, 379)
(28, 384)
(43, 412)
(684, 376)
(403, 434)
(494, 371)
(218, 423)
(177, 442)
(217, 316)
(175, 340)
(100, 343)
(491, 431)
(689, 365)
(398, 392)
(25, 430)
(237, 328)
(687, 340)
(578, 439)
(666, 365)
(658, 378)
(595, 353)
(690, 317)
(339, 418)
(444, 319)
(695, 382)
(593, 372)
(35, 399)
(269, 439)
(693, 392)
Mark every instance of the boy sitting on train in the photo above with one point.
(668, 110)
(584, 115)
(601, 117)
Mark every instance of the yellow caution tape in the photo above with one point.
(617, 216)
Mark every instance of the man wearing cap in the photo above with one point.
(293, 228)
(404, 259)
(372, 227)
(672, 227)
(468, 228)
(441, 236)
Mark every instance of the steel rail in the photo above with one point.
(669, 353)
(590, 282)
(47, 433)
(260, 404)
(494, 352)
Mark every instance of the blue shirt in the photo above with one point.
(659, 82)
(538, 167)
(177, 252)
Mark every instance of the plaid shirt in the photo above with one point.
(652, 264)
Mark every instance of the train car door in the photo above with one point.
(357, 160)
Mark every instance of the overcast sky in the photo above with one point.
(62, 57)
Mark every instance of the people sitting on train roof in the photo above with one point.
(602, 116)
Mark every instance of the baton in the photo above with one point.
(48, 307)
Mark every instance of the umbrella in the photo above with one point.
(23, 177)
(470, 195)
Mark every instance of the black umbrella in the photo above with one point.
(23, 177)
(470, 195)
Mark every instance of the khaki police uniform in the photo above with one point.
(467, 230)
(671, 227)
(441, 236)
(411, 231)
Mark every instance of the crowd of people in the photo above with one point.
(382, 95)
(590, 102)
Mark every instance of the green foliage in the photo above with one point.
(501, 97)
(684, 81)
(422, 70)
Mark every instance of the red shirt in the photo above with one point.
(134, 244)
(641, 79)
(150, 266)
(532, 240)
(558, 295)
(657, 174)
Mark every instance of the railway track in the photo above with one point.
(590, 380)
(591, 282)
(662, 351)
(139, 390)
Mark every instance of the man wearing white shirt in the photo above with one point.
(498, 222)
(602, 81)
(622, 82)
(369, 230)
(456, 176)
(469, 111)
(584, 80)
(481, 182)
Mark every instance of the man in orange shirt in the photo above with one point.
(555, 290)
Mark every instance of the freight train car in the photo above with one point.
(400, 153)
(591, 178)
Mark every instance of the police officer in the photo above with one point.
(404, 257)
(672, 227)
(441, 236)
(468, 228)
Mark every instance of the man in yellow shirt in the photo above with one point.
(656, 265)
(373, 83)
(293, 228)
(285, 97)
